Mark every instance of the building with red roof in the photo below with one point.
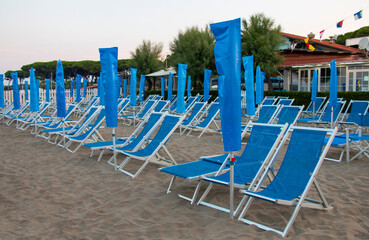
(300, 62)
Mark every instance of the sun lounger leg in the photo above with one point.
(205, 193)
(171, 184)
(92, 153)
(100, 155)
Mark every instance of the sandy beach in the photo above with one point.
(48, 193)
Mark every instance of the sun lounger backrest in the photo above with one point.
(149, 105)
(285, 101)
(266, 113)
(336, 112)
(160, 106)
(303, 153)
(261, 141)
(212, 112)
(357, 108)
(195, 111)
(288, 114)
(169, 124)
(269, 101)
(151, 122)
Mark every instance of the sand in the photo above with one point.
(48, 193)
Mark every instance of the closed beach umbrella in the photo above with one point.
(162, 86)
(60, 91)
(98, 87)
(125, 87)
(189, 87)
(170, 86)
(259, 86)
(314, 89)
(133, 87)
(248, 64)
(71, 89)
(47, 87)
(2, 100)
(119, 82)
(26, 90)
(38, 89)
(333, 88)
(34, 104)
(78, 88)
(227, 52)
(142, 88)
(207, 74)
(182, 71)
(16, 100)
(84, 87)
(102, 89)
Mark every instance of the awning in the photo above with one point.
(162, 73)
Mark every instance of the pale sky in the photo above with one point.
(46, 30)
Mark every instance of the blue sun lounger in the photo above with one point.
(296, 175)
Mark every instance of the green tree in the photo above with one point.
(194, 47)
(362, 32)
(261, 38)
(146, 58)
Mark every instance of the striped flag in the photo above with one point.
(321, 34)
(308, 45)
(358, 15)
(339, 24)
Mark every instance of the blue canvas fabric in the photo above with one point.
(78, 88)
(142, 88)
(259, 144)
(133, 87)
(38, 89)
(125, 87)
(195, 111)
(93, 127)
(71, 88)
(162, 87)
(154, 117)
(16, 100)
(60, 91)
(211, 114)
(327, 118)
(288, 115)
(98, 86)
(207, 75)
(259, 86)
(34, 105)
(119, 82)
(266, 113)
(248, 64)
(182, 71)
(170, 86)
(227, 53)
(84, 87)
(300, 160)
(102, 89)
(189, 86)
(333, 85)
(357, 109)
(109, 69)
(25, 90)
(2, 100)
(314, 88)
(166, 127)
(47, 87)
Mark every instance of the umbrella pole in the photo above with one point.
(332, 118)
(231, 185)
(114, 154)
(63, 131)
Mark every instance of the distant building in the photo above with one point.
(300, 62)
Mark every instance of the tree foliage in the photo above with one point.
(362, 32)
(261, 38)
(146, 57)
(71, 69)
(194, 47)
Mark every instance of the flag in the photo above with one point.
(339, 24)
(321, 34)
(358, 15)
(308, 45)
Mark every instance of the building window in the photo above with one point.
(325, 76)
(304, 80)
(341, 79)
